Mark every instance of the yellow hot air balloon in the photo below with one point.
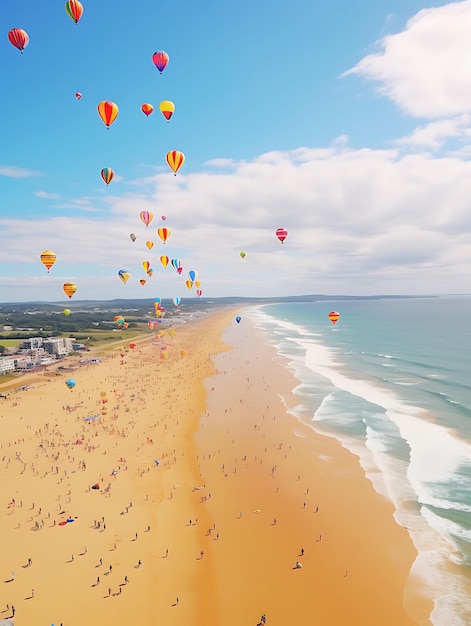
(150, 244)
(175, 159)
(167, 108)
(108, 111)
(242, 254)
(69, 289)
(67, 312)
(146, 265)
(48, 258)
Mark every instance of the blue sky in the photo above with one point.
(347, 124)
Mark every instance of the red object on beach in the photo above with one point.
(132, 346)
(62, 523)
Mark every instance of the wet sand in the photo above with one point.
(208, 494)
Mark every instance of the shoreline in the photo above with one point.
(219, 522)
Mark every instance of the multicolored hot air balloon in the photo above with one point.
(48, 258)
(78, 95)
(199, 293)
(334, 317)
(107, 174)
(281, 233)
(164, 260)
(69, 289)
(147, 109)
(74, 10)
(242, 254)
(175, 159)
(167, 108)
(146, 265)
(108, 111)
(160, 60)
(146, 217)
(176, 301)
(164, 233)
(124, 275)
(18, 38)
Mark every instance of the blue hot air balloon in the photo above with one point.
(238, 318)
(70, 382)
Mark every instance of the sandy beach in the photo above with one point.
(170, 486)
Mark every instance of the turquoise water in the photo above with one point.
(392, 381)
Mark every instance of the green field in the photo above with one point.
(11, 343)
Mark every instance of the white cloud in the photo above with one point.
(11, 171)
(46, 195)
(425, 68)
(435, 134)
(359, 221)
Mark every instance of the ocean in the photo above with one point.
(391, 380)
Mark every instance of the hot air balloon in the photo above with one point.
(238, 318)
(192, 275)
(164, 217)
(146, 265)
(197, 283)
(108, 111)
(69, 289)
(242, 254)
(146, 217)
(281, 233)
(18, 38)
(160, 60)
(74, 10)
(133, 237)
(199, 293)
(189, 284)
(164, 233)
(147, 109)
(70, 382)
(164, 260)
(150, 271)
(334, 317)
(175, 159)
(78, 95)
(67, 312)
(132, 346)
(107, 174)
(48, 258)
(143, 281)
(177, 300)
(124, 275)
(167, 108)
(150, 244)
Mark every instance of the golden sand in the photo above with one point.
(209, 494)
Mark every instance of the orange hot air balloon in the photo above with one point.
(48, 258)
(18, 38)
(107, 174)
(74, 10)
(143, 281)
(164, 233)
(150, 244)
(69, 289)
(164, 260)
(146, 217)
(334, 317)
(197, 283)
(167, 108)
(189, 284)
(147, 109)
(108, 111)
(175, 159)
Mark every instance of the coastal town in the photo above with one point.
(37, 353)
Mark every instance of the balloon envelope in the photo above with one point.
(334, 317)
(18, 38)
(124, 275)
(48, 258)
(147, 109)
(67, 312)
(107, 174)
(281, 233)
(150, 244)
(175, 159)
(164, 233)
(108, 111)
(160, 60)
(146, 217)
(70, 382)
(78, 95)
(133, 237)
(177, 300)
(242, 254)
(238, 318)
(74, 10)
(69, 288)
(167, 108)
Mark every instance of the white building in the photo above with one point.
(6, 365)
(60, 346)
